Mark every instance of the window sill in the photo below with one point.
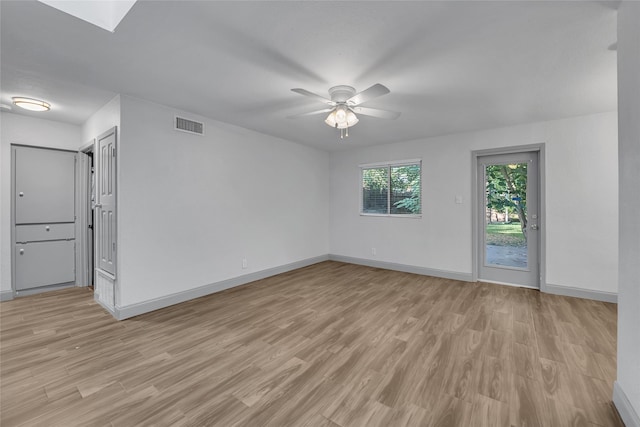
(392, 215)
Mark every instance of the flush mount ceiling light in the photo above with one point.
(344, 103)
(31, 104)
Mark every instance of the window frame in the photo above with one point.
(388, 165)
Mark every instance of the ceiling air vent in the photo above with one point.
(190, 126)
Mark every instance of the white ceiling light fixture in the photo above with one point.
(345, 103)
(341, 118)
(31, 104)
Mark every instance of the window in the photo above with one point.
(391, 188)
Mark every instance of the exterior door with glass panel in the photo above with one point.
(508, 196)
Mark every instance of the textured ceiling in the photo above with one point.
(451, 66)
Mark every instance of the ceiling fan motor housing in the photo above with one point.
(340, 94)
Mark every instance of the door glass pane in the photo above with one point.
(506, 215)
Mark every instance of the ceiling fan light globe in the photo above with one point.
(331, 119)
(352, 119)
(341, 114)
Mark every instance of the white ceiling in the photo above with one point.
(451, 66)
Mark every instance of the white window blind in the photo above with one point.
(391, 189)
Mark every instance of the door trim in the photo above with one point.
(540, 149)
(84, 275)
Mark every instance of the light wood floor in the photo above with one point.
(328, 345)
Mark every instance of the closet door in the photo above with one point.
(44, 217)
(44, 186)
(44, 263)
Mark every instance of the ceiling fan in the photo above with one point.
(343, 104)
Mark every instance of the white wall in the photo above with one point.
(627, 388)
(26, 130)
(581, 200)
(102, 120)
(191, 207)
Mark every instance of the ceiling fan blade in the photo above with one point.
(374, 112)
(311, 113)
(312, 95)
(373, 92)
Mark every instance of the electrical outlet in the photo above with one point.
(244, 263)
(373, 251)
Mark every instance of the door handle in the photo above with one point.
(21, 251)
(98, 205)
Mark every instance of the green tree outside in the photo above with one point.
(506, 187)
(397, 187)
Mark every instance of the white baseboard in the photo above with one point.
(467, 277)
(569, 291)
(6, 296)
(96, 298)
(454, 275)
(132, 310)
(625, 409)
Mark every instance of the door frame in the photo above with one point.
(540, 149)
(84, 251)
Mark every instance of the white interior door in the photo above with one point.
(105, 208)
(508, 218)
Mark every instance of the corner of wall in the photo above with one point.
(629, 416)
(6, 296)
(626, 394)
(570, 291)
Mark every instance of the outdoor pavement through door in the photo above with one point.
(508, 256)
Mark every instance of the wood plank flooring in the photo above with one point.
(330, 345)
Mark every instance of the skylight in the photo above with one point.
(105, 14)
